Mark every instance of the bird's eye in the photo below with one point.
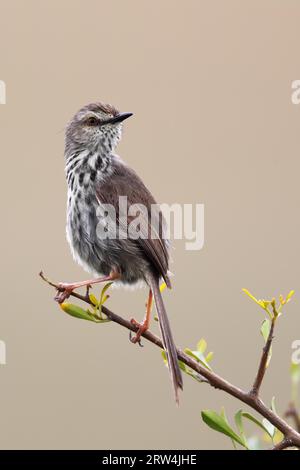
(92, 121)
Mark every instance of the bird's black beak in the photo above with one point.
(118, 118)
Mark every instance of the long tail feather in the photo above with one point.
(167, 338)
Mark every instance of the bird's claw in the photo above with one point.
(134, 339)
(88, 287)
(141, 328)
(64, 291)
(62, 295)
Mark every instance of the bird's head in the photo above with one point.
(96, 126)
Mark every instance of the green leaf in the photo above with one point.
(218, 423)
(198, 356)
(104, 297)
(209, 356)
(278, 436)
(201, 346)
(93, 299)
(255, 421)
(223, 415)
(289, 296)
(273, 408)
(295, 373)
(187, 370)
(265, 330)
(269, 427)
(78, 312)
(250, 295)
(264, 304)
(239, 425)
(265, 425)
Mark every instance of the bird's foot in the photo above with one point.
(142, 327)
(65, 289)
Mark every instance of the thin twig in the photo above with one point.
(293, 413)
(284, 444)
(263, 362)
(291, 436)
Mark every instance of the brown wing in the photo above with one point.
(125, 182)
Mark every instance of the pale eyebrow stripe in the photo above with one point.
(88, 115)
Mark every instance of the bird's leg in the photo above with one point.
(65, 289)
(142, 327)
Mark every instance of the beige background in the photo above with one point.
(209, 83)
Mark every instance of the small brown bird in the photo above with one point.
(97, 178)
